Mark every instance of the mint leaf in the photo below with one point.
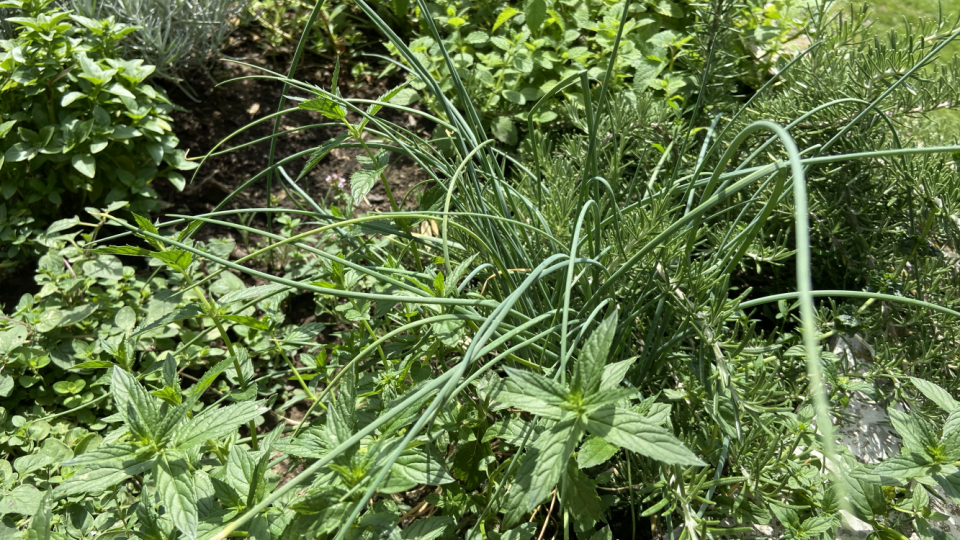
(422, 468)
(636, 433)
(904, 467)
(951, 485)
(361, 182)
(137, 407)
(177, 259)
(952, 423)
(533, 393)
(241, 469)
(536, 11)
(595, 451)
(511, 430)
(105, 455)
(186, 312)
(544, 463)
(149, 227)
(325, 106)
(614, 373)
(216, 422)
(178, 492)
(583, 500)
(96, 478)
(938, 395)
(430, 528)
(588, 370)
(250, 293)
(504, 16)
(916, 435)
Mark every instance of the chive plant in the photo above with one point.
(571, 352)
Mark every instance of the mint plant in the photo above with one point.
(508, 58)
(588, 405)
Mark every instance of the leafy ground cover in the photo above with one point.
(619, 328)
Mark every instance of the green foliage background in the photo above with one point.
(622, 322)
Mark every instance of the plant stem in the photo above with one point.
(303, 383)
(212, 313)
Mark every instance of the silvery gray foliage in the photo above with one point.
(173, 35)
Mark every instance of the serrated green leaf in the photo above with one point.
(209, 377)
(636, 433)
(250, 293)
(544, 464)
(536, 13)
(614, 373)
(595, 451)
(912, 429)
(177, 259)
(511, 430)
(938, 395)
(216, 422)
(951, 485)
(178, 492)
(533, 393)
(952, 425)
(422, 468)
(450, 332)
(137, 407)
(904, 467)
(96, 478)
(149, 227)
(361, 182)
(186, 312)
(504, 16)
(241, 469)
(149, 527)
(429, 528)
(325, 106)
(252, 322)
(385, 98)
(477, 37)
(105, 455)
(321, 152)
(122, 250)
(669, 9)
(589, 367)
(319, 512)
(583, 500)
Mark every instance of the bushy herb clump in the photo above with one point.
(508, 57)
(78, 125)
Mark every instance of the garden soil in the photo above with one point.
(243, 95)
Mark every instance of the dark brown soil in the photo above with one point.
(229, 107)
(14, 285)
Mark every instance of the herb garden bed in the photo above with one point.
(531, 270)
